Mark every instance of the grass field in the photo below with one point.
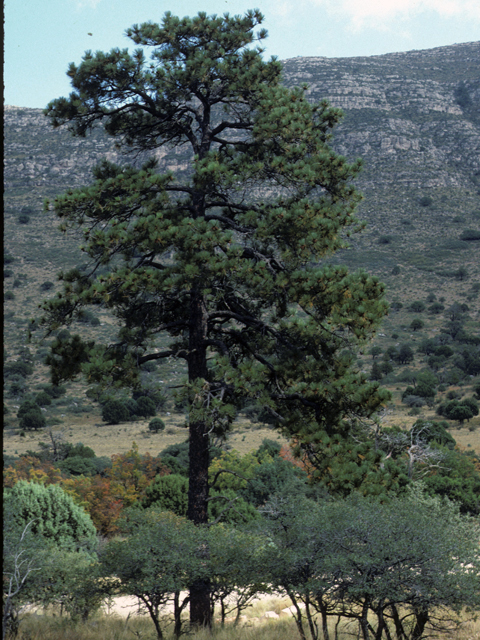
(253, 626)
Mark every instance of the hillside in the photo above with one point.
(413, 117)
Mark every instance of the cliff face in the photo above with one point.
(413, 117)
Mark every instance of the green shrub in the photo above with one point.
(27, 406)
(9, 295)
(146, 407)
(32, 421)
(417, 307)
(46, 286)
(53, 513)
(115, 412)
(470, 235)
(23, 219)
(425, 201)
(156, 425)
(18, 368)
(43, 399)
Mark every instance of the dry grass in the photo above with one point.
(106, 440)
(254, 628)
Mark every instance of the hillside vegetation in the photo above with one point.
(413, 117)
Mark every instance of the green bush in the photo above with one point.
(417, 307)
(23, 219)
(115, 412)
(9, 295)
(425, 201)
(55, 391)
(18, 368)
(43, 399)
(156, 425)
(470, 235)
(32, 421)
(53, 513)
(146, 407)
(46, 286)
(27, 406)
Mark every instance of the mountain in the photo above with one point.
(414, 119)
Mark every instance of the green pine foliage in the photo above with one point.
(229, 261)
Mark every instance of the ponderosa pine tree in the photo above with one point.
(229, 259)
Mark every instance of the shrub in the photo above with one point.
(436, 308)
(132, 407)
(416, 324)
(27, 406)
(32, 421)
(425, 201)
(8, 259)
(55, 391)
(9, 295)
(115, 412)
(7, 273)
(470, 235)
(156, 425)
(23, 219)
(46, 286)
(146, 407)
(18, 368)
(385, 240)
(395, 270)
(417, 307)
(43, 399)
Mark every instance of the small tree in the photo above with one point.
(162, 555)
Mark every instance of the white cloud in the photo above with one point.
(381, 13)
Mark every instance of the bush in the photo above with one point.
(27, 406)
(23, 219)
(417, 307)
(55, 515)
(416, 324)
(156, 425)
(9, 295)
(146, 407)
(43, 399)
(115, 412)
(470, 235)
(32, 421)
(425, 201)
(55, 391)
(18, 368)
(46, 286)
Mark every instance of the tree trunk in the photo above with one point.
(199, 456)
(421, 619)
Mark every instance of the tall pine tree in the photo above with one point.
(227, 260)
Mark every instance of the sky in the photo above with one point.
(43, 36)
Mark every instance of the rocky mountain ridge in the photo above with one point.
(413, 117)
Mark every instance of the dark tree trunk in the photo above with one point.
(421, 619)
(199, 456)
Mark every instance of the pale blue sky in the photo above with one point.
(42, 37)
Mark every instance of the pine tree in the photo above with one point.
(228, 259)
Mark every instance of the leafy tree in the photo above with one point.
(395, 564)
(161, 557)
(223, 262)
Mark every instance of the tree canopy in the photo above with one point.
(224, 265)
